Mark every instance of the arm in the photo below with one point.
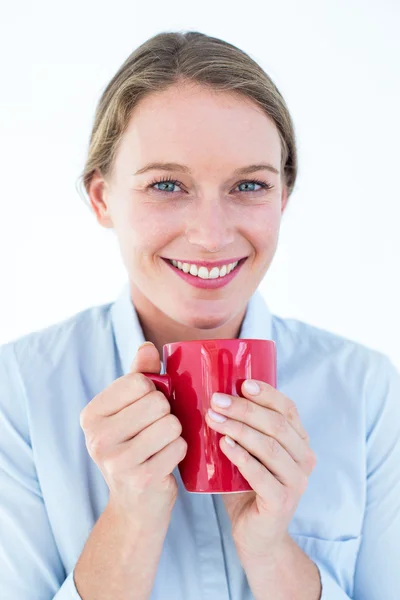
(377, 575)
(377, 572)
(291, 575)
(30, 565)
(120, 557)
(285, 571)
(288, 574)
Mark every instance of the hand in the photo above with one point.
(135, 441)
(272, 453)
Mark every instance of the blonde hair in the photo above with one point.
(172, 57)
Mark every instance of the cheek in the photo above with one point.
(144, 230)
(261, 227)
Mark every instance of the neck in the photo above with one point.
(160, 329)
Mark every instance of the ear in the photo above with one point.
(284, 198)
(98, 200)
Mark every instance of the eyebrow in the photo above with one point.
(184, 169)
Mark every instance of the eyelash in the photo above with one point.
(167, 178)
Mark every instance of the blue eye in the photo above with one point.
(249, 183)
(170, 181)
(263, 184)
(165, 183)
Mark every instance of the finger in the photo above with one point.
(121, 393)
(126, 389)
(272, 492)
(147, 359)
(132, 419)
(266, 449)
(165, 461)
(153, 439)
(270, 397)
(269, 422)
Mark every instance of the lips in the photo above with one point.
(200, 279)
(205, 272)
(207, 263)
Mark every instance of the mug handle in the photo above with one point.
(163, 383)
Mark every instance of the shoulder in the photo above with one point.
(308, 351)
(304, 339)
(56, 343)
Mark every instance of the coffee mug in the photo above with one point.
(194, 371)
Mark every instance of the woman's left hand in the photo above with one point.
(272, 453)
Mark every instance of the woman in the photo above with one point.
(192, 160)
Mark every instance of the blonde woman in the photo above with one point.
(192, 161)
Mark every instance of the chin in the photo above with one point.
(201, 323)
(202, 320)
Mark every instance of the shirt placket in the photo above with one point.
(212, 568)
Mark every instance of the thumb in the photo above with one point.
(147, 359)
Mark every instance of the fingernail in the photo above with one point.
(230, 441)
(221, 400)
(216, 417)
(251, 387)
(145, 344)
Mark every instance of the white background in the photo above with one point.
(337, 65)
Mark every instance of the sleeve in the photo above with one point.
(30, 564)
(377, 574)
(331, 590)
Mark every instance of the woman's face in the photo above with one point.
(208, 213)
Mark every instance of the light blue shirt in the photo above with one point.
(52, 493)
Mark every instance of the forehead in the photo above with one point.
(190, 123)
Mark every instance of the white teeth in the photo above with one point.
(202, 271)
(215, 272)
(231, 266)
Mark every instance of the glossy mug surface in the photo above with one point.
(194, 371)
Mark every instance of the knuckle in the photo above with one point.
(244, 458)
(239, 429)
(162, 404)
(84, 418)
(174, 424)
(248, 408)
(273, 447)
(96, 446)
(279, 423)
(291, 410)
(89, 412)
(143, 385)
(311, 460)
(181, 446)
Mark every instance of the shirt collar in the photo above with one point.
(128, 333)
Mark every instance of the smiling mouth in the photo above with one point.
(205, 272)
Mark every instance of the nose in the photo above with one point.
(210, 226)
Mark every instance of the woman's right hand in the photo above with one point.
(135, 441)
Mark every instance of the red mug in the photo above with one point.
(194, 371)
